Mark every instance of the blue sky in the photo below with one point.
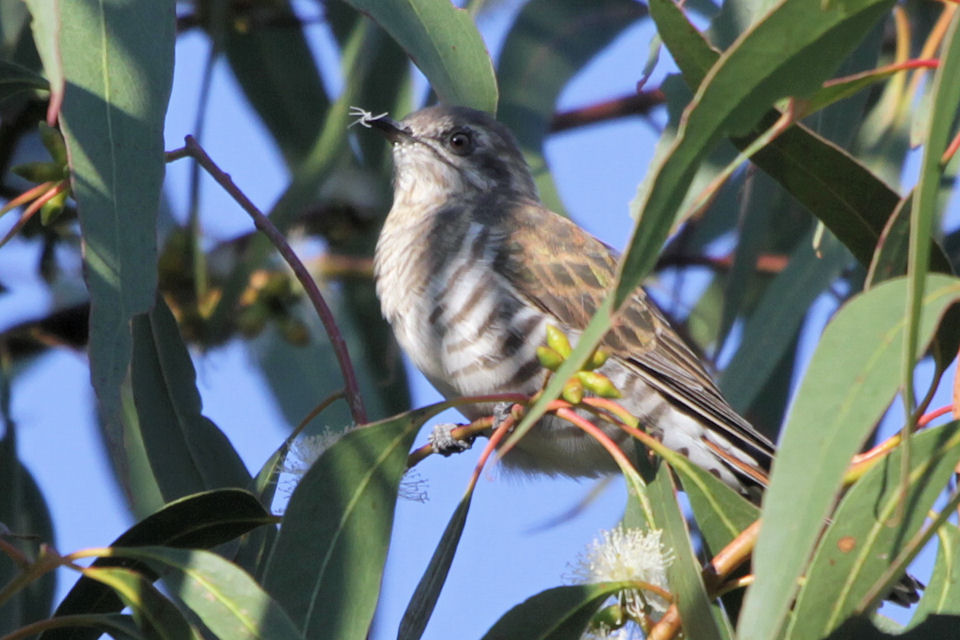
(510, 550)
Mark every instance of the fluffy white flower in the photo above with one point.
(628, 554)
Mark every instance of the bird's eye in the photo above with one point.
(460, 142)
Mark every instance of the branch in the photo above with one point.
(352, 390)
(630, 105)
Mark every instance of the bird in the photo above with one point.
(471, 268)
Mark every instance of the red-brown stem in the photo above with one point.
(352, 389)
(896, 66)
(633, 104)
(951, 150)
(863, 461)
(35, 206)
(495, 438)
(722, 565)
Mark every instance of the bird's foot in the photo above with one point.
(443, 442)
(503, 415)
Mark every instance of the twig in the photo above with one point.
(630, 105)
(263, 223)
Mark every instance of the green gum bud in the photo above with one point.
(53, 142)
(598, 384)
(596, 360)
(557, 341)
(573, 391)
(549, 358)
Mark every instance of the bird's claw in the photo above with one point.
(443, 442)
(501, 411)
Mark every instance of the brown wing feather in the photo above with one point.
(565, 271)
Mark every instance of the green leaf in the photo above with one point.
(204, 520)
(721, 512)
(424, 599)
(702, 619)
(735, 94)
(549, 42)
(890, 256)
(942, 594)
(116, 625)
(850, 381)
(327, 562)
(850, 200)
(45, 26)
(772, 327)
(924, 213)
(739, 89)
(24, 512)
(187, 452)
(16, 79)
(444, 42)
(561, 613)
(228, 601)
(862, 539)
(157, 616)
(118, 63)
(860, 628)
(278, 75)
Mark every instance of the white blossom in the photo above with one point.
(628, 554)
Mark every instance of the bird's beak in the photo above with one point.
(391, 129)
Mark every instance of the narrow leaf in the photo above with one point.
(118, 62)
(852, 201)
(228, 601)
(187, 452)
(444, 42)
(850, 381)
(772, 327)
(424, 599)
(942, 594)
(862, 539)
(721, 512)
(548, 43)
(561, 613)
(201, 521)
(737, 92)
(702, 619)
(156, 615)
(279, 76)
(327, 562)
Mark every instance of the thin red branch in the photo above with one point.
(630, 105)
(263, 223)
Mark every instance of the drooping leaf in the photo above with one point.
(327, 562)
(152, 611)
(852, 201)
(118, 63)
(186, 451)
(549, 42)
(942, 593)
(204, 520)
(24, 513)
(425, 597)
(277, 73)
(777, 318)
(861, 539)
(228, 601)
(561, 613)
(444, 42)
(850, 381)
(701, 617)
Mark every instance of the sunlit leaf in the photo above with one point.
(850, 381)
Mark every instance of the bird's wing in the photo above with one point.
(566, 272)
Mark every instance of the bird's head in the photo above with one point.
(444, 151)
